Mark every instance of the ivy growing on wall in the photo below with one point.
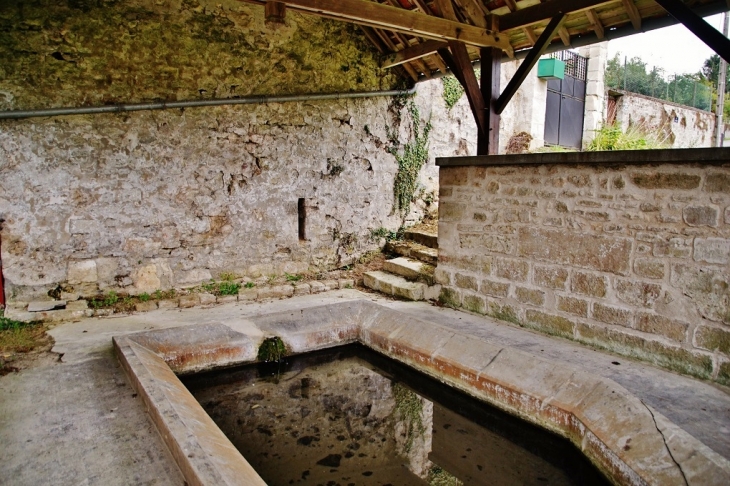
(411, 157)
(452, 90)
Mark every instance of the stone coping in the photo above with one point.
(715, 155)
(628, 440)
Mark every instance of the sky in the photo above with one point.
(675, 49)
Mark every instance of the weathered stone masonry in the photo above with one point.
(630, 258)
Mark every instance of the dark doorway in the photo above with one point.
(566, 103)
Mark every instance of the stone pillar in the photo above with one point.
(595, 108)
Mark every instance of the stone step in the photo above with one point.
(398, 286)
(413, 270)
(422, 237)
(413, 250)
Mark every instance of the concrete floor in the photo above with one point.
(79, 422)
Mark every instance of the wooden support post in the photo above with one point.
(488, 143)
(274, 13)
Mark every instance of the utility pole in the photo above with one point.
(719, 124)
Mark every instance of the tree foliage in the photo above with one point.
(635, 76)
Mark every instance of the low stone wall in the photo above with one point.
(627, 251)
(675, 125)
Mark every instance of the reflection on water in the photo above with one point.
(350, 416)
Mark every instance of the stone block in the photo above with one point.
(432, 292)
(46, 305)
(466, 281)
(723, 375)
(145, 279)
(649, 268)
(673, 248)
(303, 289)
(550, 277)
(674, 180)
(495, 289)
(597, 252)
(331, 284)
(588, 284)
(82, 271)
(612, 315)
(81, 226)
(488, 242)
(453, 176)
(442, 276)
(450, 296)
(316, 287)
(346, 283)
(701, 215)
(530, 296)
(707, 288)
(513, 270)
(662, 326)
(69, 296)
(167, 304)
(226, 299)
(637, 293)
(207, 299)
(571, 305)
(474, 303)
(77, 305)
(449, 211)
(555, 325)
(673, 357)
(275, 292)
(260, 270)
(193, 277)
(712, 250)
(713, 339)
(187, 301)
(717, 182)
(150, 305)
(245, 294)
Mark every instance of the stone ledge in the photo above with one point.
(596, 414)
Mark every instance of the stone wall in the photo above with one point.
(138, 201)
(675, 125)
(630, 258)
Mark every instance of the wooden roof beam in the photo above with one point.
(545, 10)
(633, 13)
(595, 23)
(373, 14)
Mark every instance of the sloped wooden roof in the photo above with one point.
(414, 49)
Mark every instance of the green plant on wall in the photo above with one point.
(453, 90)
(411, 157)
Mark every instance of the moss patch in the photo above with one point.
(409, 409)
(272, 350)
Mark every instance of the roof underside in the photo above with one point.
(586, 22)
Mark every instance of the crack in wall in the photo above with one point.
(669, 450)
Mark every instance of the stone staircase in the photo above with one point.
(410, 275)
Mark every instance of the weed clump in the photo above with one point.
(636, 137)
(222, 288)
(271, 350)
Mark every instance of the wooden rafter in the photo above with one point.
(633, 13)
(564, 36)
(595, 23)
(417, 51)
(396, 19)
(475, 12)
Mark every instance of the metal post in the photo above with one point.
(719, 125)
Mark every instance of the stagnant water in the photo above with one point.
(350, 416)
